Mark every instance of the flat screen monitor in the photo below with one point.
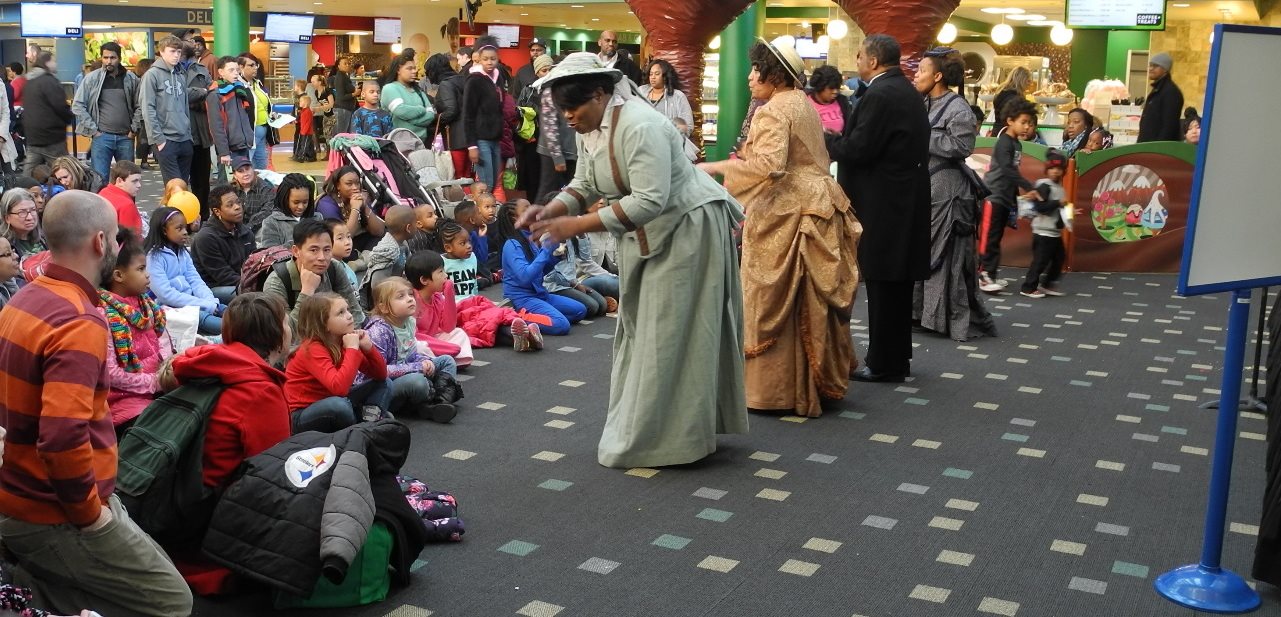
(1116, 14)
(809, 49)
(288, 28)
(508, 36)
(386, 30)
(52, 19)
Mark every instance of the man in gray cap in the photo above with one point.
(1164, 106)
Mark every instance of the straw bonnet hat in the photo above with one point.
(576, 64)
(787, 55)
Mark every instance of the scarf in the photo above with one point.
(242, 93)
(122, 317)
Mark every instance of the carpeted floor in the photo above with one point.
(1054, 471)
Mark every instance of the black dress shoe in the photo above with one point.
(865, 374)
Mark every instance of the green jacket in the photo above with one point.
(410, 109)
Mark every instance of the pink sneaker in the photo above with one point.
(520, 335)
(535, 336)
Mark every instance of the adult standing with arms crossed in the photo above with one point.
(58, 516)
(882, 159)
(677, 379)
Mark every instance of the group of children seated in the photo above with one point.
(365, 333)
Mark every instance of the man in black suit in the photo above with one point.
(882, 160)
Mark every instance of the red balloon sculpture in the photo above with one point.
(678, 31)
(914, 23)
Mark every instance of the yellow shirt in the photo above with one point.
(262, 105)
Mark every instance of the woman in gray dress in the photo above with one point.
(948, 302)
(677, 379)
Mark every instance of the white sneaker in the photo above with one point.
(987, 285)
(1002, 282)
(1033, 294)
(1052, 291)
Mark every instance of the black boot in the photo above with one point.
(447, 389)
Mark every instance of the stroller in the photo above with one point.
(398, 169)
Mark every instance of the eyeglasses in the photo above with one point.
(22, 214)
(6, 255)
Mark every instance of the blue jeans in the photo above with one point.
(210, 323)
(175, 160)
(561, 310)
(604, 284)
(339, 412)
(223, 294)
(262, 151)
(491, 158)
(107, 146)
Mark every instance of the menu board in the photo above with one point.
(386, 30)
(1116, 14)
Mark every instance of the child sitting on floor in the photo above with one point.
(523, 272)
(343, 246)
(320, 376)
(475, 222)
(177, 283)
(437, 319)
(424, 237)
(295, 200)
(486, 323)
(421, 385)
(387, 258)
(139, 344)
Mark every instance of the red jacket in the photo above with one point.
(312, 375)
(251, 415)
(126, 209)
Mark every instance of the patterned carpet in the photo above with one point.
(1054, 471)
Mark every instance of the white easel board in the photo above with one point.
(1234, 220)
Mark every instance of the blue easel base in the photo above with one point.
(1213, 590)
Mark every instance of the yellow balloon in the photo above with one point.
(186, 203)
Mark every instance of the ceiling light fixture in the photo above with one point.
(1180, 5)
(993, 10)
(1027, 17)
(837, 29)
(1060, 35)
(716, 42)
(397, 48)
(1002, 33)
(947, 33)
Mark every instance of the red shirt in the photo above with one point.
(126, 210)
(312, 374)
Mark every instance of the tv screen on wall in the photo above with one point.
(386, 30)
(288, 28)
(51, 19)
(1116, 14)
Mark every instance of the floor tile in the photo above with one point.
(717, 564)
(672, 542)
(538, 608)
(599, 566)
(821, 545)
(930, 594)
(799, 568)
(519, 548)
(994, 606)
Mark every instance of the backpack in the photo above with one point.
(160, 474)
(368, 577)
(528, 97)
(258, 265)
(528, 123)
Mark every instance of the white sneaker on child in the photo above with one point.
(535, 336)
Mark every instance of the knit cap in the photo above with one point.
(542, 62)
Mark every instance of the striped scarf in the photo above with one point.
(122, 317)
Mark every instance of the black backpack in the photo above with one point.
(160, 475)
